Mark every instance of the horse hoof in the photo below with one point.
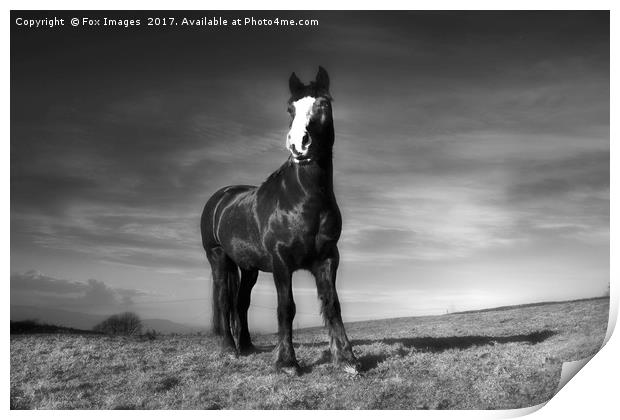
(230, 356)
(245, 351)
(229, 353)
(290, 370)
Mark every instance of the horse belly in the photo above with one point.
(246, 254)
(242, 243)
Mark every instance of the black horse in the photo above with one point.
(290, 222)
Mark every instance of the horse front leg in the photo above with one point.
(284, 352)
(325, 274)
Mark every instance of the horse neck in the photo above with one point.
(318, 173)
(323, 168)
(301, 180)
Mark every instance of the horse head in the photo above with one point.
(311, 128)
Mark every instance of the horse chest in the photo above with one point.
(296, 224)
(303, 232)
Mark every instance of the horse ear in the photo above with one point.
(322, 79)
(294, 84)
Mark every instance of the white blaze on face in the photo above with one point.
(299, 128)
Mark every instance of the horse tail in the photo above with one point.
(216, 320)
(225, 300)
(233, 280)
(205, 232)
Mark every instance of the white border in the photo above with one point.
(592, 394)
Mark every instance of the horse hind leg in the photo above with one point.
(248, 280)
(225, 291)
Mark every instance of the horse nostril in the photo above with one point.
(305, 140)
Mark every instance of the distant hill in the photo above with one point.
(82, 321)
(166, 327)
(531, 305)
(78, 320)
(34, 327)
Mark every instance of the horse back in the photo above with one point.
(221, 199)
(229, 221)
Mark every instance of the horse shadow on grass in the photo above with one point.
(431, 345)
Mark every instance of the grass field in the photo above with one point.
(500, 359)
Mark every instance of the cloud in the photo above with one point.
(458, 136)
(35, 281)
(98, 293)
(587, 171)
(33, 286)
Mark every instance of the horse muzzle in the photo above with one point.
(299, 149)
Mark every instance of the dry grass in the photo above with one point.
(487, 360)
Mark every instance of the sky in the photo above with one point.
(471, 160)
